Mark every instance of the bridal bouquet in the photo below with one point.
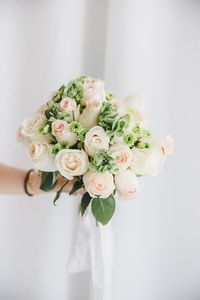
(84, 132)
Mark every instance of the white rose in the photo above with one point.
(22, 138)
(98, 184)
(134, 105)
(31, 126)
(133, 102)
(147, 161)
(166, 145)
(90, 115)
(61, 130)
(42, 109)
(67, 105)
(72, 162)
(95, 140)
(93, 91)
(127, 184)
(122, 155)
(41, 156)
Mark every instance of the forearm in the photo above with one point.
(12, 180)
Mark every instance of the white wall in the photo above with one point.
(152, 47)
(43, 44)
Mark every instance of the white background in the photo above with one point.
(152, 47)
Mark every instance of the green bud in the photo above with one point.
(46, 129)
(109, 96)
(130, 139)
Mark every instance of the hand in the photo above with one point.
(35, 181)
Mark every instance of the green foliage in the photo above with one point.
(74, 89)
(77, 186)
(48, 180)
(85, 201)
(79, 129)
(107, 115)
(114, 124)
(59, 95)
(103, 209)
(103, 162)
(59, 192)
(53, 113)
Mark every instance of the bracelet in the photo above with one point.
(26, 183)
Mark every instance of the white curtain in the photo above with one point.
(151, 47)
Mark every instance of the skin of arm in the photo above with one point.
(12, 182)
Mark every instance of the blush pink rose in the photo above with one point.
(60, 129)
(67, 105)
(98, 184)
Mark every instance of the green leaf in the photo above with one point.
(103, 209)
(58, 194)
(48, 181)
(85, 201)
(77, 185)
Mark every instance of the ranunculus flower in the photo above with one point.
(93, 91)
(147, 161)
(60, 129)
(41, 156)
(95, 140)
(31, 126)
(89, 116)
(98, 184)
(166, 145)
(72, 162)
(127, 184)
(122, 155)
(67, 105)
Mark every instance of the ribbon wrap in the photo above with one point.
(93, 251)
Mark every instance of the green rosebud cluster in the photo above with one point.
(79, 129)
(142, 137)
(109, 96)
(130, 139)
(102, 162)
(60, 146)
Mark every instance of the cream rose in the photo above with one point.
(72, 162)
(31, 126)
(98, 184)
(93, 91)
(122, 155)
(41, 156)
(127, 184)
(134, 105)
(90, 115)
(67, 105)
(147, 161)
(133, 102)
(96, 139)
(166, 145)
(60, 129)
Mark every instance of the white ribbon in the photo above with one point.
(93, 251)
